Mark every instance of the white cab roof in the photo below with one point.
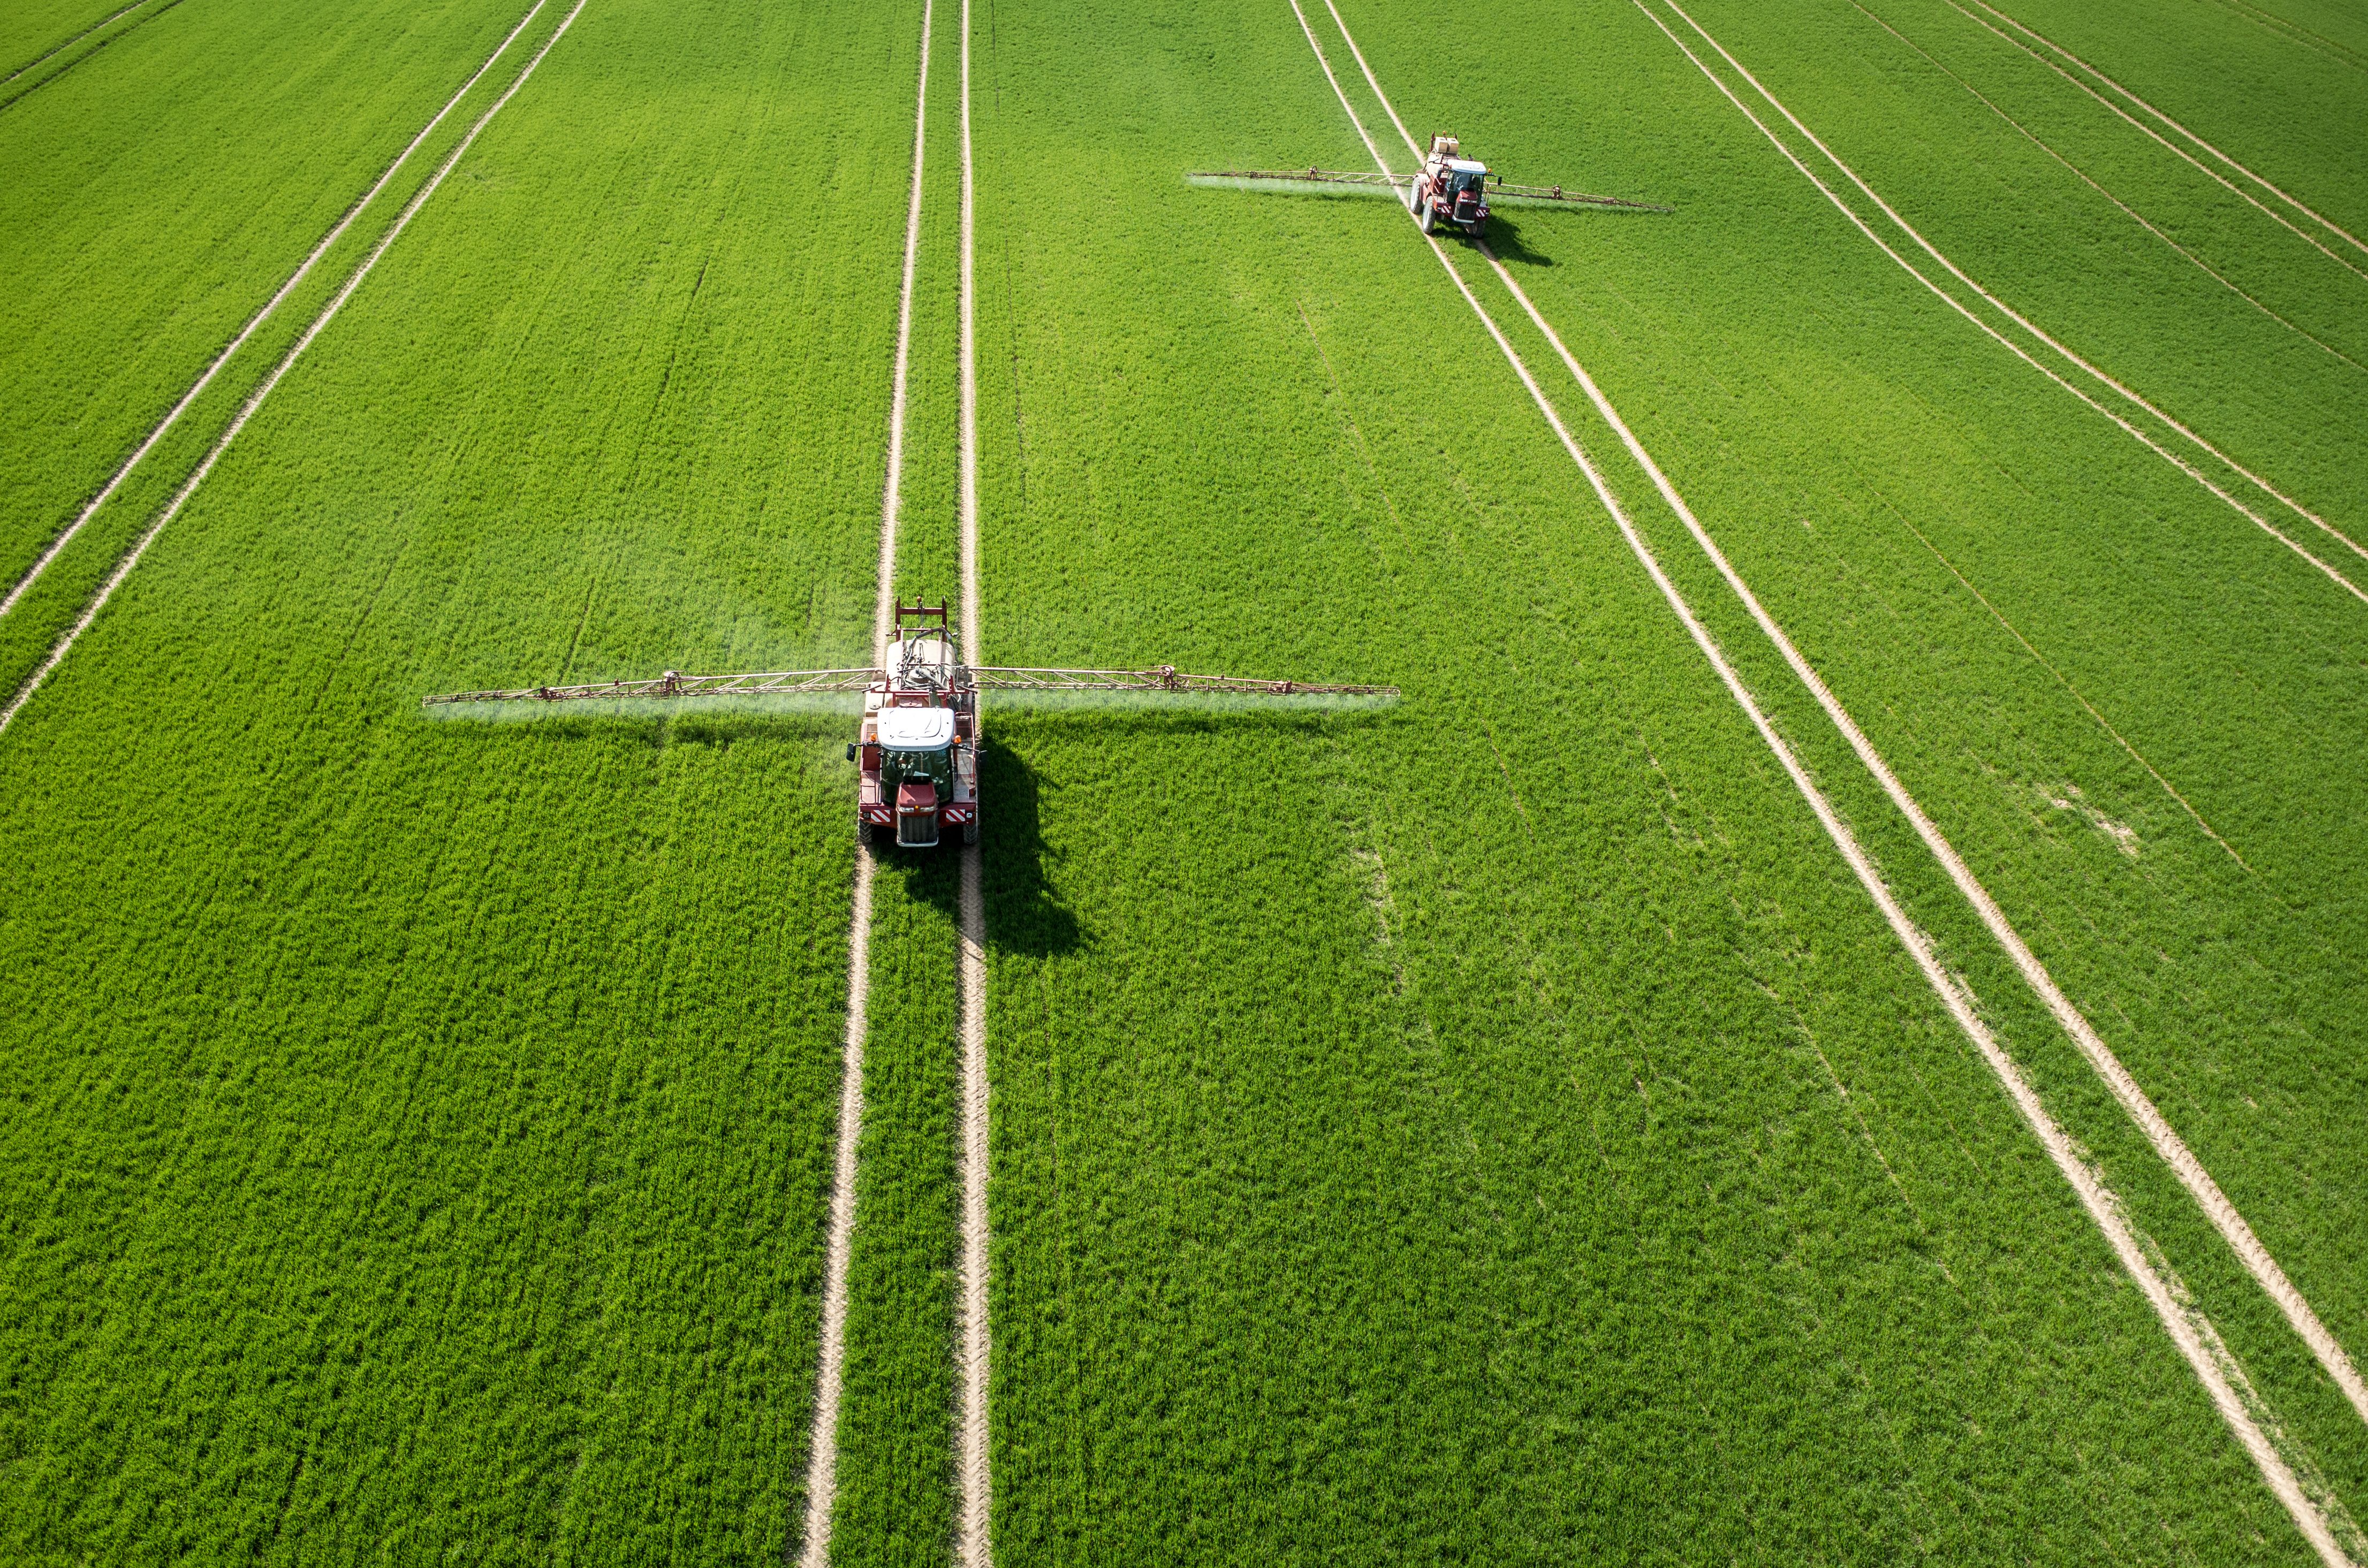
(1466, 166)
(917, 729)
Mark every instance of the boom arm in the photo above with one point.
(1162, 678)
(1555, 193)
(1520, 194)
(1305, 176)
(675, 684)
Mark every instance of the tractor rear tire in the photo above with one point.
(1430, 218)
(969, 831)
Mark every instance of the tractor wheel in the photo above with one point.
(1430, 218)
(969, 831)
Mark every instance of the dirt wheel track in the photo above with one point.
(13, 99)
(2291, 200)
(830, 1368)
(2040, 335)
(975, 1544)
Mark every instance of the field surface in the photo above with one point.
(1825, 1024)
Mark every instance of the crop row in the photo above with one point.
(1500, 1128)
(897, 1437)
(1990, 576)
(425, 1126)
(155, 202)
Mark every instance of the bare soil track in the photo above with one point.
(2133, 215)
(970, 1461)
(2283, 197)
(830, 1364)
(2057, 346)
(976, 1540)
(830, 1371)
(2272, 213)
(60, 48)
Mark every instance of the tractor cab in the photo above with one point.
(1467, 196)
(916, 769)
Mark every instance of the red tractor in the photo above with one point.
(1451, 188)
(918, 747)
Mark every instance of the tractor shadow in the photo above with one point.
(1505, 239)
(1023, 915)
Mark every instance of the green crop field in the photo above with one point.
(1823, 1022)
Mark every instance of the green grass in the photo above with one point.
(150, 203)
(425, 1125)
(1481, 1177)
(1490, 1127)
(43, 39)
(1820, 410)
